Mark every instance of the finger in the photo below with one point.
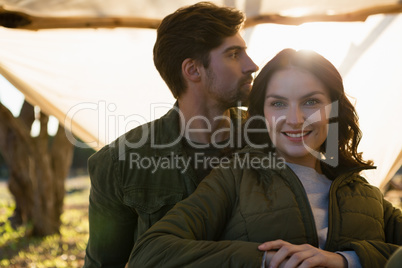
(276, 244)
(323, 259)
(286, 252)
(314, 261)
(299, 257)
(282, 254)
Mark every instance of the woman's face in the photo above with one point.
(296, 111)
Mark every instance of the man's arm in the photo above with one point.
(111, 223)
(189, 233)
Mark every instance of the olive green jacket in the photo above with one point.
(236, 208)
(134, 182)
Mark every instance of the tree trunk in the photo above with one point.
(38, 169)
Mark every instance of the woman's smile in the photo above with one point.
(294, 110)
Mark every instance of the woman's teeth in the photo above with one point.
(297, 135)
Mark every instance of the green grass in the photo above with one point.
(64, 250)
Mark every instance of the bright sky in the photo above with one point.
(10, 96)
(13, 100)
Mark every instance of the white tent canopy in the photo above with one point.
(89, 63)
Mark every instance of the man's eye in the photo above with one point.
(234, 55)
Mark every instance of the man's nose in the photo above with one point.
(250, 66)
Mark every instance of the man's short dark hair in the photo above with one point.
(192, 32)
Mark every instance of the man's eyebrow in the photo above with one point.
(231, 48)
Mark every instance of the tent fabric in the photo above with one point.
(101, 82)
(35, 14)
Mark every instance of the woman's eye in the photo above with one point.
(277, 104)
(312, 102)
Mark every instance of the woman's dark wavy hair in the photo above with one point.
(192, 32)
(349, 134)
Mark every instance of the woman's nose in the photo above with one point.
(295, 116)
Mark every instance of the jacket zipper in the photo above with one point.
(307, 203)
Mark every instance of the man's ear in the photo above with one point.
(190, 70)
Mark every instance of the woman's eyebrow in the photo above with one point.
(313, 93)
(305, 96)
(276, 97)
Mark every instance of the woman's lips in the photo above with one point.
(296, 135)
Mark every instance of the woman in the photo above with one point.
(313, 211)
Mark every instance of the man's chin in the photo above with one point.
(238, 103)
(242, 102)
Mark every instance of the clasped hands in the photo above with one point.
(283, 254)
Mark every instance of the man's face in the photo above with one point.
(228, 79)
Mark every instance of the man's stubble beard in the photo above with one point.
(235, 99)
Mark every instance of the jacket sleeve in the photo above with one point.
(376, 253)
(111, 223)
(188, 236)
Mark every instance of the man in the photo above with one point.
(143, 174)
